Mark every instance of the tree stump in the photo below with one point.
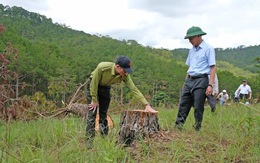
(137, 123)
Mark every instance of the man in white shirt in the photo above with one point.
(223, 97)
(244, 91)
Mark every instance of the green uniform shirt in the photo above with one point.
(104, 75)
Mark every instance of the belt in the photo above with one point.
(198, 76)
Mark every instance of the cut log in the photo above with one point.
(137, 123)
(78, 109)
(110, 122)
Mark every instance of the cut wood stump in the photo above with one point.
(110, 122)
(137, 123)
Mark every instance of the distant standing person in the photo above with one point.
(98, 93)
(211, 98)
(236, 96)
(223, 97)
(244, 91)
(201, 61)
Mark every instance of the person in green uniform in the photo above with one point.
(98, 93)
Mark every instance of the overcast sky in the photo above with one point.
(156, 23)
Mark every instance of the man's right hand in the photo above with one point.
(148, 108)
(93, 106)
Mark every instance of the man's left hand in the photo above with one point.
(209, 90)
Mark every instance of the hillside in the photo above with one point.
(54, 59)
(227, 66)
(241, 57)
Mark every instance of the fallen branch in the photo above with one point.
(74, 96)
(37, 113)
(74, 108)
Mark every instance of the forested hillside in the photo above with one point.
(54, 59)
(245, 58)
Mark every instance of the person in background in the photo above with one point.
(236, 96)
(223, 97)
(98, 93)
(201, 62)
(244, 91)
(211, 98)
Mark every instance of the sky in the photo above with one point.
(156, 23)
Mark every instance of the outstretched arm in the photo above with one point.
(250, 95)
(130, 84)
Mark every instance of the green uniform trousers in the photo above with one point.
(103, 100)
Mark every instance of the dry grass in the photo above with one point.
(229, 135)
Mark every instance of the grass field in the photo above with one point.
(231, 134)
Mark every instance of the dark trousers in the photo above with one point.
(103, 100)
(193, 94)
(243, 96)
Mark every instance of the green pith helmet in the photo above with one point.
(194, 31)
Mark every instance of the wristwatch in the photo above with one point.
(210, 85)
